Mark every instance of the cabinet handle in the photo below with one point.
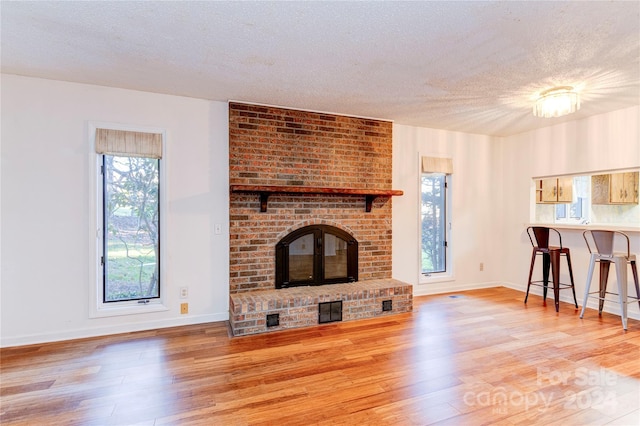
(625, 193)
(621, 194)
(555, 191)
(560, 191)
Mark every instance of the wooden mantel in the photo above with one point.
(266, 190)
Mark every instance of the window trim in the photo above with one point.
(98, 308)
(448, 273)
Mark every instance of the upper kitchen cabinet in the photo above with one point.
(555, 190)
(615, 188)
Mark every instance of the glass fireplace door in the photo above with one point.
(301, 258)
(316, 255)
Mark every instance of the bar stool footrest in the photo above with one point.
(596, 295)
(549, 285)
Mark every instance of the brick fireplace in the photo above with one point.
(290, 169)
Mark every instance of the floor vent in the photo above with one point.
(329, 312)
(386, 305)
(273, 320)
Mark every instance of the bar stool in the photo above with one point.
(539, 237)
(603, 253)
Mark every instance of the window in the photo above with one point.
(434, 223)
(131, 237)
(128, 219)
(577, 211)
(435, 217)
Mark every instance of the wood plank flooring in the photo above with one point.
(471, 358)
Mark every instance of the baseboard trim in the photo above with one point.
(109, 330)
(448, 287)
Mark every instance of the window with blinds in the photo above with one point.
(130, 207)
(434, 215)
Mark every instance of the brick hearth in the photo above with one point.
(298, 306)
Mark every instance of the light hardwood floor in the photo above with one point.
(471, 358)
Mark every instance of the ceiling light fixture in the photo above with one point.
(557, 102)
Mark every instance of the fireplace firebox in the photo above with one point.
(316, 255)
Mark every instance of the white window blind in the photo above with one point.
(128, 144)
(437, 165)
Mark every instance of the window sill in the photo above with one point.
(102, 311)
(440, 278)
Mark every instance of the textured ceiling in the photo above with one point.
(466, 66)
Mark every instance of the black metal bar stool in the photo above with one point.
(539, 237)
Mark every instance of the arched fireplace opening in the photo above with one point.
(316, 255)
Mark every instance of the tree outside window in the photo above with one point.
(433, 222)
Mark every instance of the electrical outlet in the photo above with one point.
(184, 308)
(184, 292)
(217, 229)
(481, 266)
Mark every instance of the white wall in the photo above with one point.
(46, 207)
(476, 207)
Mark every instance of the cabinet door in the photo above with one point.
(549, 193)
(616, 188)
(624, 188)
(631, 187)
(565, 190)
